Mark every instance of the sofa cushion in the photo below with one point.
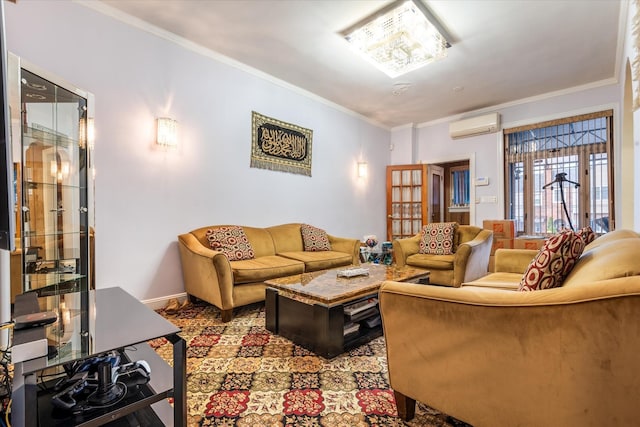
(286, 237)
(587, 234)
(437, 238)
(261, 241)
(320, 260)
(438, 262)
(314, 239)
(264, 268)
(231, 241)
(499, 280)
(610, 237)
(614, 259)
(553, 262)
(464, 233)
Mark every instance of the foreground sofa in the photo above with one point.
(278, 251)
(470, 260)
(565, 356)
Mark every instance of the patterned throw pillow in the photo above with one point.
(587, 234)
(437, 238)
(315, 239)
(231, 241)
(553, 262)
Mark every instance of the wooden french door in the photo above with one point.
(407, 208)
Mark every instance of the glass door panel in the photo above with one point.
(406, 200)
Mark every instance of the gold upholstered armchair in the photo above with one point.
(565, 356)
(469, 260)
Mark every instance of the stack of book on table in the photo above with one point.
(363, 311)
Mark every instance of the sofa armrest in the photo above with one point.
(513, 260)
(404, 248)
(346, 245)
(472, 258)
(207, 273)
(491, 347)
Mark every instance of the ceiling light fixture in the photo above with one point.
(401, 37)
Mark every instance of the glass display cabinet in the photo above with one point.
(52, 150)
(51, 137)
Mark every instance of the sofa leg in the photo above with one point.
(227, 315)
(406, 406)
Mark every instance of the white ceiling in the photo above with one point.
(503, 50)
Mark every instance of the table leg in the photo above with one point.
(179, 380)
(271, 310)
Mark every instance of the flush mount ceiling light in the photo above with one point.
(400, 37)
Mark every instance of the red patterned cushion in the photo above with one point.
(231, 241)
(553, 262)
(315, 239)
(437, 238)
(587, 234)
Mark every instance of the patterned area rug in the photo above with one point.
(240, 374)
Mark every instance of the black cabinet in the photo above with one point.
(316, 326)
(117, 321)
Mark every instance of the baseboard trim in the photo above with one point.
(158, 303)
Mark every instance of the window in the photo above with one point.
(558, 174)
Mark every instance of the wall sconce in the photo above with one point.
(166, 132)
(362, 169)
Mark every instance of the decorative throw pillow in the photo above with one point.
(231, 241)
(553, 262)
(437, 238)
(314, 239)
(587, 234)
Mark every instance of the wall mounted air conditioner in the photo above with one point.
(478, 125)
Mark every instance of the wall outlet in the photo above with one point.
(487, 199)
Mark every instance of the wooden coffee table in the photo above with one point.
(315, 310)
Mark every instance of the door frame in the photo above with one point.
(471, 158)
(431, 168)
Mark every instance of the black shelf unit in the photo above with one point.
(133, 408)
(316, 326)
(121, 323)
(364, 333)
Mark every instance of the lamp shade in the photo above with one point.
(166, 132)
(362, 169)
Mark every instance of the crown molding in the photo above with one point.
(536, 98)
(140, 24)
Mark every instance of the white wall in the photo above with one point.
(631, 143)
(145, 197)
(435, 145)
(403, 145)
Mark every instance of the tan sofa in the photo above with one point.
(495, 357)
(279, 252)
(472, 246)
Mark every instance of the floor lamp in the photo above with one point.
(561, 178)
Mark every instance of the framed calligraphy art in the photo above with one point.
(280, 146)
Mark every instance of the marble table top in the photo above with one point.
(327, 287)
